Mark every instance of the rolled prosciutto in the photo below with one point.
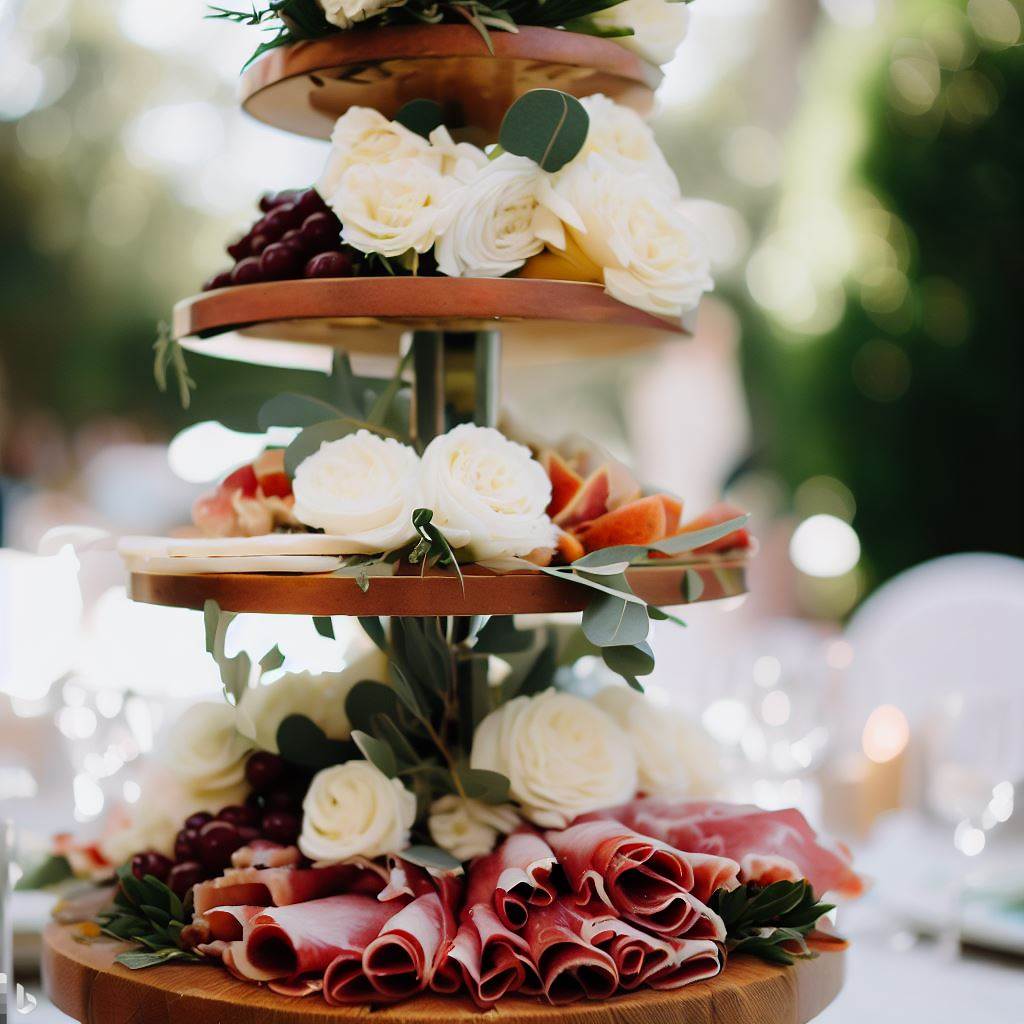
(739, 830)
(612, 867)
(519, 871)
(569, 965)
(262, 853)
(283, 886)
(303, 939)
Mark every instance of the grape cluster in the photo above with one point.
(203, 847)
(297, 236)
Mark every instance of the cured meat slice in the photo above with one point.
(280, 887)
(262, 853)
(305, 938)
(518, 874)
(570, 967)
(403, 958)
(736, 830)
(765, 868)
(610, 866)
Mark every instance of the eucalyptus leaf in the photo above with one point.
(309, 441)
(367, 700)
(610, 621)
(487, 786)
(292, 410)
(630, 661)
(500, 636)
(324, 625)
(693, 585)
(421, 116)
(374, 629)
(431, 857)
(377, 752)
(301, 741)
(272, 660)
(547, 126)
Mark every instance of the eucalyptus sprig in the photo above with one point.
(771, 922)
(168, 355)
(147, 912)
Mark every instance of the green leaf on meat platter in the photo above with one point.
(377, 752)
(630, 661)
(421, 116)
(301, 741)
(292, 410)
(374, 629)
(547, 126)
(611, 621)
(431, 857)
(324, 625)
(139, 961)
(500, 636)
(480, 784)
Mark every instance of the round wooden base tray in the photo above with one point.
(437, 593)
(305, 87)
(541, 321)
(84, 982)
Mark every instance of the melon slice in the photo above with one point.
(569, 547)
(673, 513)
(565, 481)
(719, 513)
(589, 502)
(640, 522)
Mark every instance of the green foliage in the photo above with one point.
(546, 125)
(301, 741)
(770, 922)
(53, 870)
(168, 355)
(421, 116)
(147, 912)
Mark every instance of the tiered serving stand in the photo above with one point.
(459, 331)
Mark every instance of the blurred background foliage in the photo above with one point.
(863, 165)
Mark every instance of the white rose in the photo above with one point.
(355, 810)
(458, 159)
(394, 207)
(346, 13)
(625, 140)
(365, 136)
(673, 755)
(320, 697)
(362, 487)
(487, 493)
(206, 752)
(651, 255)
(659, 26)
(563, 756)
(504, 215)
(469, 828)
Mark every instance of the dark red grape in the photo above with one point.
(278, 261)
(248, 833)
(321, 231)
(279, 220)
(221, 280)
(198, 820)
(238, 816)
(329, 264)
(151, 863)
(259, 242)
(283, 798)
(262, 770)
(281, 827)
(248, 271)
(240, 249)
(308, 202)
(183, 876)
(269, 200)
(185, 844)
(217, 841)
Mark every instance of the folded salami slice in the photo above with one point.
(280, 887)
(612, 867)
(569, 965)
(303, 939)
(738, 830)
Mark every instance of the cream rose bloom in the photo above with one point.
(392, 208)
(623, 138)
(361, 487)
(652, 257)
(488, 494)
(346, 13)
(658, 27)
(673, 755)
(469, 828)
(504, 215)
(355, 810)
(460, 160)
(365, 136)
(563, 756)
(320, 697)
(207, 754)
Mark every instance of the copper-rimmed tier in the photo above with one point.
(304, 88)
(437, 593)
(541, 321)
(84, 982)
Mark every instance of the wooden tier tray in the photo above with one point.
(84, 982)
(305, 87)
(438, 593)
(541, 321)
